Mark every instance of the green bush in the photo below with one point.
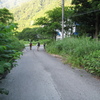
(82, 52)
(10, 48)
(91, 62)
(16, 44)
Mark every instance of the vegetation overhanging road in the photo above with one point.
(40, 76)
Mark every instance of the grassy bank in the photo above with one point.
(80, 52)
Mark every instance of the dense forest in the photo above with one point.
(34, 9)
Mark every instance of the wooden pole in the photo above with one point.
(62, 19)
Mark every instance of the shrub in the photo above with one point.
(91, 62)
(9, 49)
(83, 52)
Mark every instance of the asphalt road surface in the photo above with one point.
(41, 76)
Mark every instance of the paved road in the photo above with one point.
(40, 76)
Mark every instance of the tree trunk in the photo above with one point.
(96, 28)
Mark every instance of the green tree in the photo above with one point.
(5, 16)
(87, 16)
(53, 20)
(30, 33)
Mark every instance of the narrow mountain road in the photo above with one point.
(40, 76)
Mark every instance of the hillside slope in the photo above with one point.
(11, 3)
(28, 12)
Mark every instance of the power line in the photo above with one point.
(86, 13)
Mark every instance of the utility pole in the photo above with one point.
(62, 19)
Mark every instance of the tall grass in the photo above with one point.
(79, 52)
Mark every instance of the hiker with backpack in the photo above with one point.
(38, 45)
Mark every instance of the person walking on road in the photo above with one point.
(44, 45)
(30, 45)
(38, 45)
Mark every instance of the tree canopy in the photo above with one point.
(5, 16)
(87, 13)
(53, 20)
